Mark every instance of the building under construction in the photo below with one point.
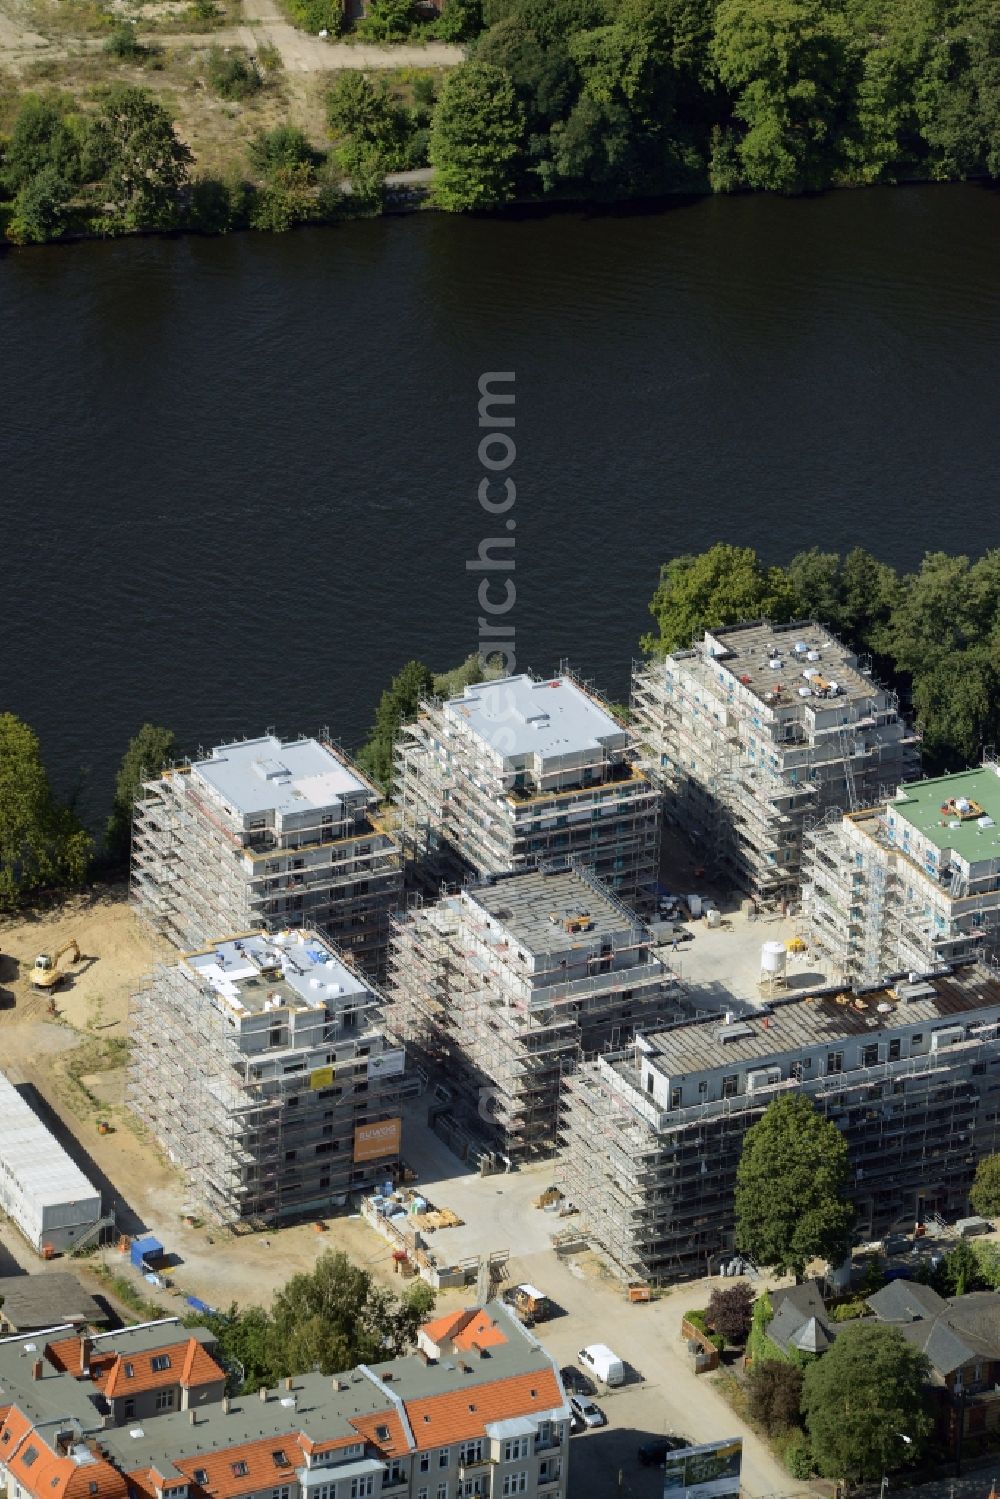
(755, 734)
(261, 1066)
(266, 834)
(501, 988)
(910, 884)
(910, 1074)
(517, 771)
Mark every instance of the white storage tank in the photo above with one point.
(48, 1198)
(773, 958)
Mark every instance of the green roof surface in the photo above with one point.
(921, 802)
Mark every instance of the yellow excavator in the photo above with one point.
(46, 973)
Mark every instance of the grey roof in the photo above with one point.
(53, 1394)
(749, 650)
(800, 1319)
(145, 1337)
(526, 903)
(299, 968)
(787, 1026)
(261, 775)
(42, 1300)
(518, 717)
(951, 1333)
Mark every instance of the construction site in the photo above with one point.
(261, 1066)
(501, 988)
(264, 834)
(911, 884)
(517, 771)
(907, 1071)
(755, 734)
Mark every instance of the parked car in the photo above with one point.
(575, 1382)
(651, 1454)
(586, 1411)
(598, 1359)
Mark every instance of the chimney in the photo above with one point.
(36, 1369)
(225, 1405)
(289, 1382)
(263, 1394)
(86, 1347)
(193, 1416)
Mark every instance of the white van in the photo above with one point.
(599, 1359)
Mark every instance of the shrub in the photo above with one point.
(387, 20)
(848, 1310)
(210, 206)
(284, 146)
(205, 12)
(699, 1319)
(125, 45)
(285, 200)
(40, 209)
(233, 75)
(730, 1312)
(317, 15)
(775, 1394)
(798, 1458)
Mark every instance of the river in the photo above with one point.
(240, 475)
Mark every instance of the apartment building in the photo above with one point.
(909, 1072)
(139, 1372)
(262, 1066)
(755, 733)
(478, 1413)
(266, 833)
(910, 884)
(502, 987)
(516, 772)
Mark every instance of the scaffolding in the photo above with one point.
(749, 744)
(256, 1084)
(501, 988)
(655, 1185)
(202, 864)
(468, 806)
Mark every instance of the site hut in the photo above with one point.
(43, 1192)
(517, 771)
(262, 1067)
(266, 833)
(910, 884)
(502, 987)
(910, 1074)
(755, 733)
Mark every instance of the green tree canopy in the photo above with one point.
(397, 705)
(985, 1194)
(862, 1398)
(42, 139)
(40, 209)
(148, 752)
(41, 843)
(723, 586)
(775, 1391)
(144, 166)
(475, 138)
(791, 1185)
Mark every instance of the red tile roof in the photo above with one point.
(439, 1420)
(46, 1474)
(262, 1472)
(368, 1425)
(481, 1332)
(190, 1365)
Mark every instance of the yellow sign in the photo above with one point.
(372, 1141)
(321, 1077)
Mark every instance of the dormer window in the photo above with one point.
(160, 1362)
(281, 1458)
(129, 1371)
(201, 1476)
(30, 1456)
(240, 1469)
(382, 1433)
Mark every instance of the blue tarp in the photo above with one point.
(198, 1304)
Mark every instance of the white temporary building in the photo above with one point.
(41, 1190)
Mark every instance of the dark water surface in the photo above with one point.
(239, 476)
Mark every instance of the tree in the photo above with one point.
(398, 703)
(363, 114)
(959, 1272)
(775, 1393)
(862, 1398)
(730, 1312)
(388, 20)
(985, 1194)
(284, 146)
(786, 63)
(724, 586)
(41, 138)
(144, 166)
(41, 842)
(460, 20)
(475, 138)
(337, 1316)
(40, 209)
(790, 1187)
(149, 751)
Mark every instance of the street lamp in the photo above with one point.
(885, 1481)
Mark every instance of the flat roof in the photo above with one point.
(923, 804)
(517, 716)
(268, 774)
(43, 1299)
(534, 908)
(297, 968)
(796, 1024)
(32, 1155)
(749, 650)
